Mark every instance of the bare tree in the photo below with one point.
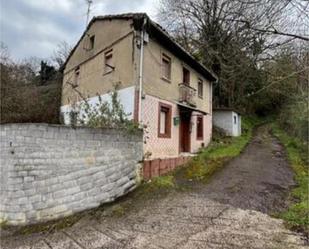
(61, 53)
(4, 53)
(232, 37)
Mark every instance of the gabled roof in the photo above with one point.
(159, 34)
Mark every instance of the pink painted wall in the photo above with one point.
(168, 147)
(207, 122)
(159, 147)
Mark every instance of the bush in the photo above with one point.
(103, 114)
(24, 100)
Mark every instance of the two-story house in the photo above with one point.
(161, 85)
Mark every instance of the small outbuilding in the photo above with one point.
(227, 119)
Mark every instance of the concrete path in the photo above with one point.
(226, 213)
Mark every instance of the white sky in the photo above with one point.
(35, 27)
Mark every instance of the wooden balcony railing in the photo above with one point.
(187, 94)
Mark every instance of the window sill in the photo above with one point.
(166, 80)
(164, 136)
(106, 73)
(200, 138)
(200, 97)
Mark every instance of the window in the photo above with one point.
(164, 123)
(235, 120)
(91, 44)
(108, 62)
(76, 77)
(186, 76)
(166, 67)
(200, 88)
(199, 127)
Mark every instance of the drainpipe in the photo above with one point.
(140, 76)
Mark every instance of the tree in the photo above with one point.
(4, 53)
(46, 72)
(232, 38)
(22, 98)
(61, 54)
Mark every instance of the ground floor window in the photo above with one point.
(199, 127)
(164, 120)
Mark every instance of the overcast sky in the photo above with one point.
(35, 27)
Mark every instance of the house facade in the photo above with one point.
(160, 85)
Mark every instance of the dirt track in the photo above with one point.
(259, 179)
(229, 212)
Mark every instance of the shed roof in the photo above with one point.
(227, 109)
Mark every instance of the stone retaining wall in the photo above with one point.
(50, 171)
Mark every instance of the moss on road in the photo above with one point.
(220, 150)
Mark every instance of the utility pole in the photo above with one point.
(89, 2)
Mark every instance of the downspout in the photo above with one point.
(140, 75)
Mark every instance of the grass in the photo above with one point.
(166, 181)
(297, 215)
(219, 151)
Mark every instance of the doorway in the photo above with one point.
(185, 131)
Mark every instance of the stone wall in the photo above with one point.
(50, 171)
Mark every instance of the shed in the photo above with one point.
(228, 119)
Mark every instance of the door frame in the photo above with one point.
(182, 113)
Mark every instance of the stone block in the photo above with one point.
(28, 178)
(35, 198)
(53, 211)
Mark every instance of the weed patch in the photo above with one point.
(296, 216)
(220, 150)
(166, 181)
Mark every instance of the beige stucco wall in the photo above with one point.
(156, 86)
(106, 32)
(116, 34)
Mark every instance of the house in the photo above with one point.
(161, 85)
(228, 119)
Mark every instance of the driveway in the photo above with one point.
(231, 211)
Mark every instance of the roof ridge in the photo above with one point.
(164, 32)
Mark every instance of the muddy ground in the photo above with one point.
(231, 211)
(259, 179)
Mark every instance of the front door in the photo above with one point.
(184, 138)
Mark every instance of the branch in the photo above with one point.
(269, 31)
(277, 81)
(276, 32)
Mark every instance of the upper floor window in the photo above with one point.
(76, 77)
(186, 76)
(108, 58)
(164, 123)
(91, 42)
(166, 67)
(200, 88)
(199, 127)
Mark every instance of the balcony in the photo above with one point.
(187, 95)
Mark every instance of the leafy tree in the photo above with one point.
(47, 72)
